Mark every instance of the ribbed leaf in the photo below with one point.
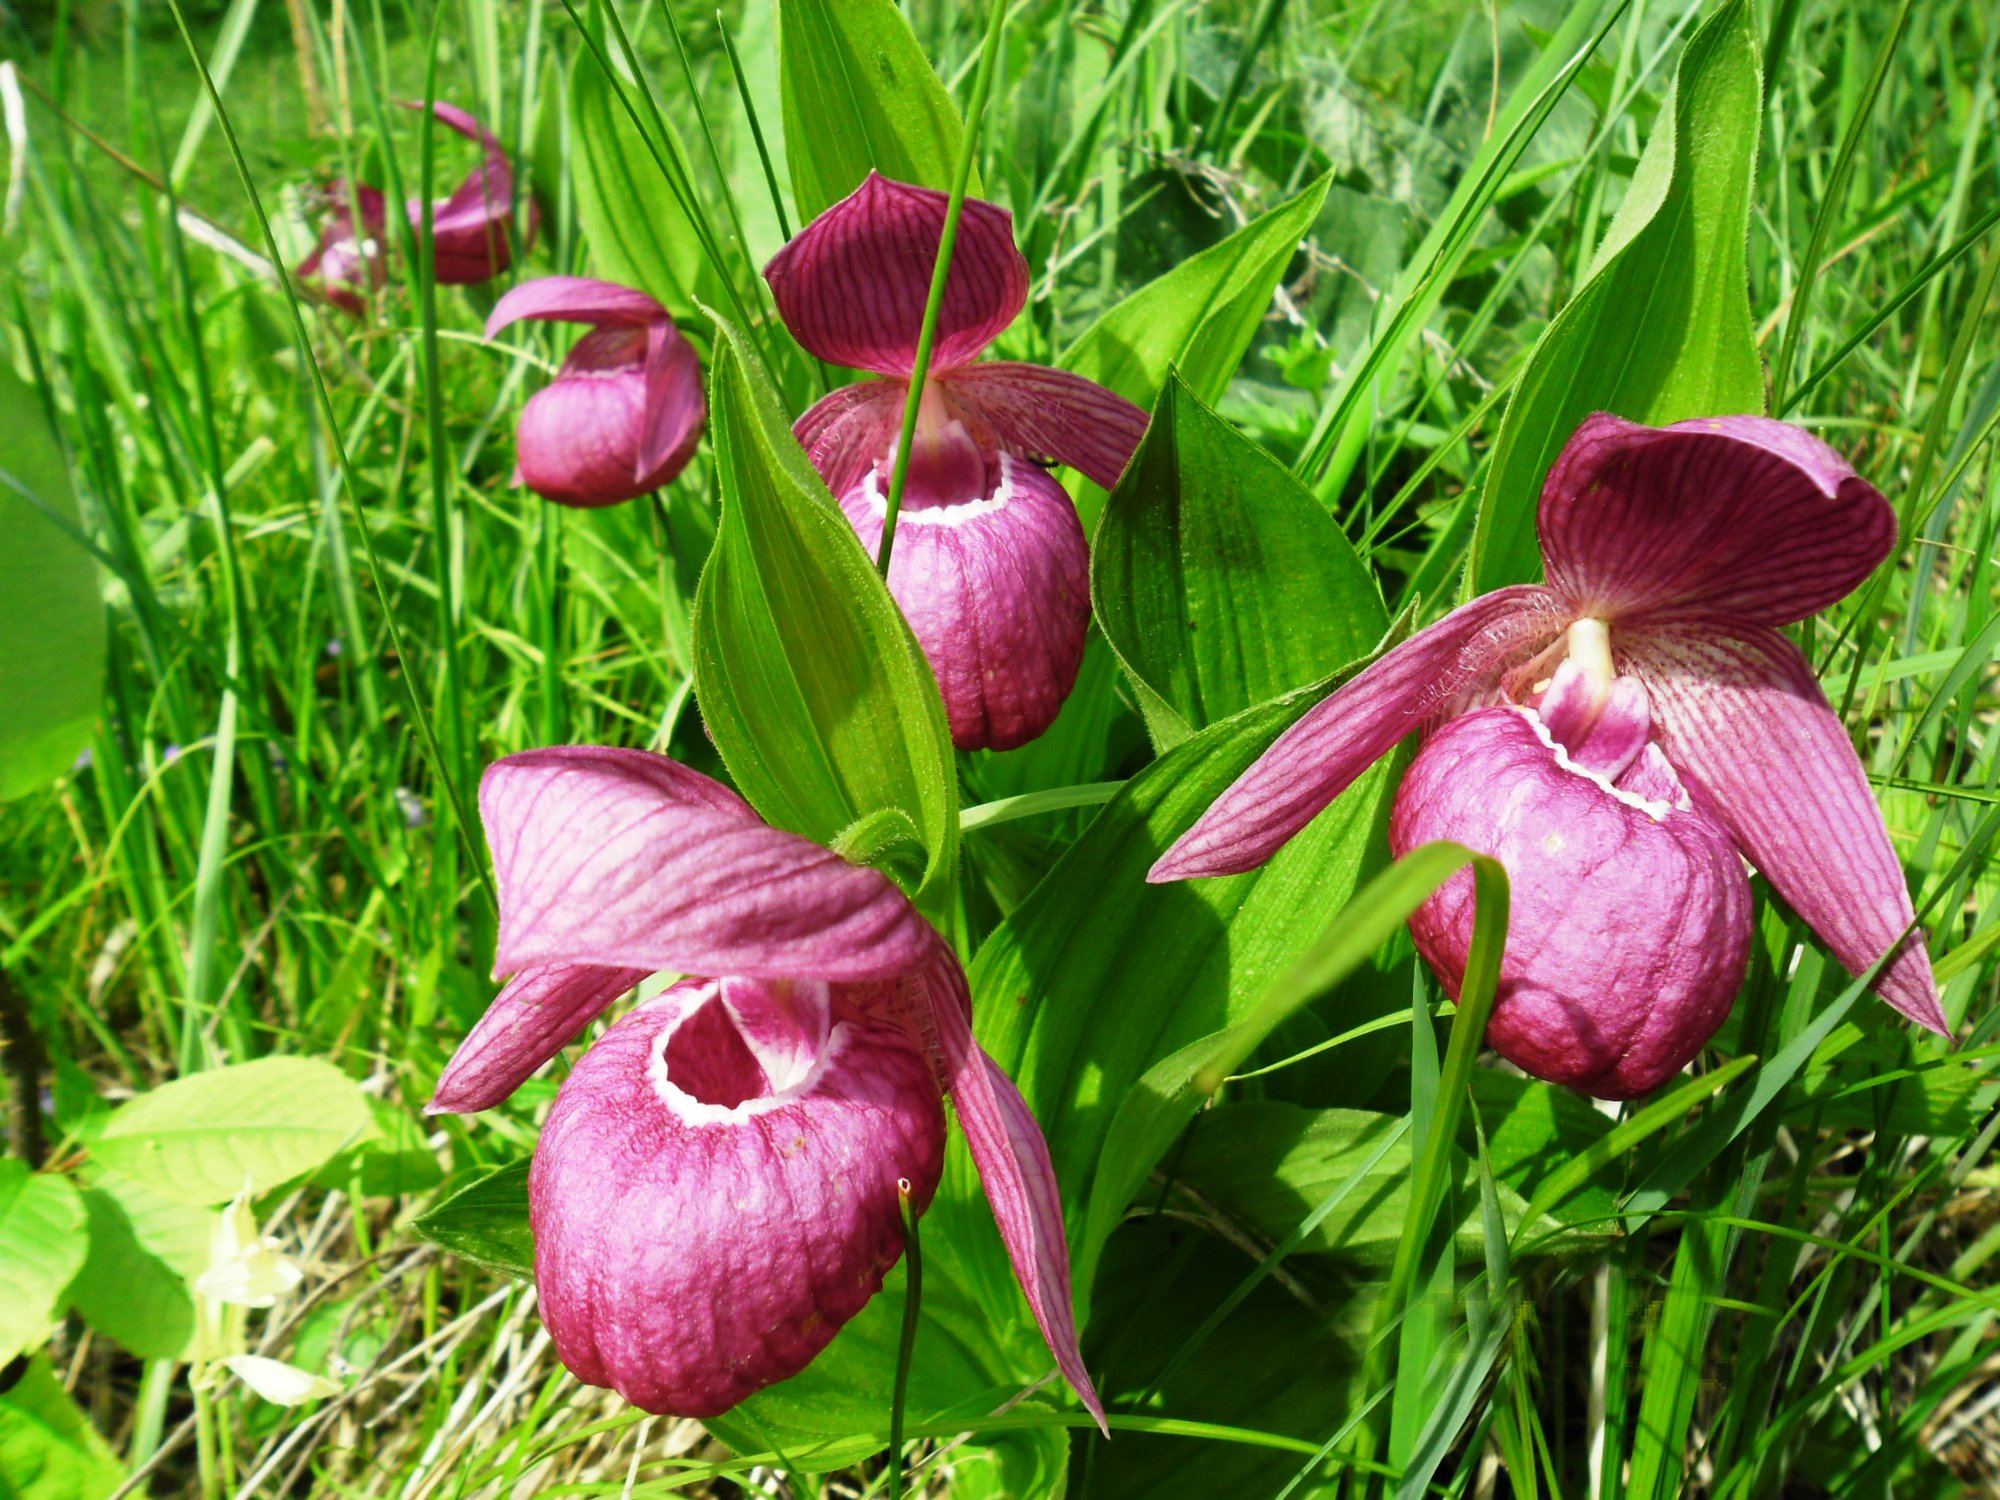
(51, 617)
(818, 697)
(1661, 329)
(859, 95)
(42, 1244)
(1219, 580)
(486, 1221)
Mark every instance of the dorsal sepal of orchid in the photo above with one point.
(1684, 546)
(716, 1192)
(1630, 913)
(997, 592)
(625, 412)
(1735, 515)
(852, 284)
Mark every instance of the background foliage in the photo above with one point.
(1367, 264)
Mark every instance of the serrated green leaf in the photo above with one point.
(635, 227)
(48, 1449)
(202, 1139)
(1219, 580)
(1661, 330)
(859, 95)
(486, 1222)
(125, 1291)
(51, 615)
(43, 1240)
(818, 697)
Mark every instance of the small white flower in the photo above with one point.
(244, 1267)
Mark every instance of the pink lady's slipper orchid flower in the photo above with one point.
(717, 1189)
(1611, 736)
(624, 413)
(471, 230)
(990, 564)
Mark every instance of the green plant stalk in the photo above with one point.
(906, 1344)
(1433, 1168)
(961, 175)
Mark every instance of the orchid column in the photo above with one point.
(990, 564)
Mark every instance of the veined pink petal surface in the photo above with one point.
(849, 432)
(540, 1012)
(1742, 717)
(574, 299)
(1630, 922)
(675, 406)
(852, 284)
(1014, 1168)
(472, 231)
(707, 1212)
(621, 858)
(1049, 414)
(997, 591)
(1740, 515)
(1428, 676)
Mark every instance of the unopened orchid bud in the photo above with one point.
(1630, 922)
(717, 1189)
(624, 412)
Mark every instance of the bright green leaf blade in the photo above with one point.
(1098, 975)
(633, 223)
(204, 1138)
(51, 617)
(486, 1222)
(1661, 329)
(818, 696)
(859, 95)
(42, 1244)
(48, 1449)
(1219, 580)
(125, 1291)
(1200, 317)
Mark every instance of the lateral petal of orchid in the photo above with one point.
(1015, 1170)
(540, 1012)
(574, 299)
(1742, 717)
(849, 432)
(852, 284)
(675, 406)
(626, 859)
(1050, 414)
(472, 230)
(1741, 515)
(1428, 676)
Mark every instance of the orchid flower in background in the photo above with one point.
(472, 230)
(990, 564)
(717, 1189)
(1611, 736)
(624, 412)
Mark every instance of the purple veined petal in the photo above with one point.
(451, 116)
(1427, 677)
(1741, 515)
(472, 231)
(1050, 414)
(703, 1228)
(852, 284)
(579, 438)
(675, 406)
(626, 859)
(1014, 1169)
(1629, 926)
(540, 1012)
(1602, 728)
(849, 432)
(1743, 719)
(575, 299)
(997, 593)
